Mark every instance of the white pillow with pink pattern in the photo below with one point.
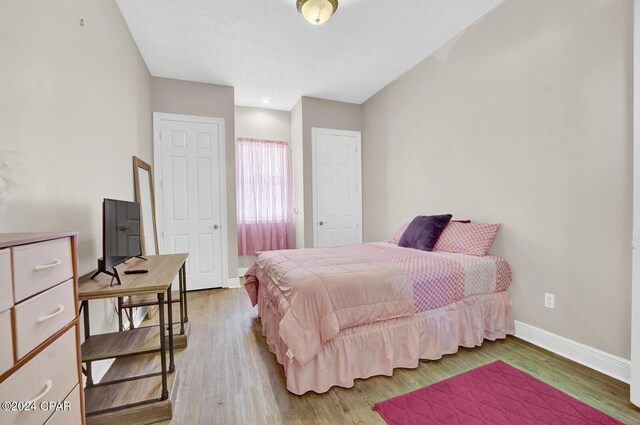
(467, 238)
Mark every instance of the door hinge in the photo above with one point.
(160, 184)
(163, 234)
(160, 135)
(356, 149)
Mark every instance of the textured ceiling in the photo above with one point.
(265, 49)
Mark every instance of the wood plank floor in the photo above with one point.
(228, 376)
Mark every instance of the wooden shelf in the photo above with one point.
(148, 300)
(162, 270)
(121, 344)
(175, 311)
(141, 340)
(179, 341)
(101, 401)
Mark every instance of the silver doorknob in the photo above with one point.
(215, 227)
(321, 223)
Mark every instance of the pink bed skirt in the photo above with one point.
(378, 348)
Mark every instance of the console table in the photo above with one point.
(145, 398)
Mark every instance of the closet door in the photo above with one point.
(337, 187)
(193, 193)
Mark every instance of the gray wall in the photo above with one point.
(524, 119)
(265, 124)
(322, 114)
(207, 100)
(74, 108)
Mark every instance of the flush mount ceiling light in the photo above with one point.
(317, 11)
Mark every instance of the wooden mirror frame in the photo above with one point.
(137, 165)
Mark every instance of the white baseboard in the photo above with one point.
(242, 271)
(233, 283)
(611, 365)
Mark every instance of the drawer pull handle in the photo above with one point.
(47, 266)
(47, 387)
(59, 310)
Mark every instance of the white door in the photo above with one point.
(192, 195)
(337, 187)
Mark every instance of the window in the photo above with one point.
(264, 204)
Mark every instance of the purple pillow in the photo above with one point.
(423, 232)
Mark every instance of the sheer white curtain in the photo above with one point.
(264, 196)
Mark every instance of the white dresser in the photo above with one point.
(40, 374)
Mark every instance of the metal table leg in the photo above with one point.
(163, 347)
(172, 366)
(183, 299)
(183, 270)
(87, 334)
(120, 322)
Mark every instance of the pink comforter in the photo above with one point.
(432, 279)
(324, 291)
(439, 278)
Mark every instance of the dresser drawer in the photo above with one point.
(43, 315)
(6, 288)
(40, 266)
(70, 416)
(6, 342)
(48, 377)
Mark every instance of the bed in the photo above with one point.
(337, 314)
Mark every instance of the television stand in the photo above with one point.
(114, 274)
(124, 396)
(135, 256)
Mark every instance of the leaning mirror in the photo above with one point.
(143, 182)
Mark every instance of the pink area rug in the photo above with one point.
(493, 394)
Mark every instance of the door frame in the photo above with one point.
(314, 178)
(635, 244)
(222, 170)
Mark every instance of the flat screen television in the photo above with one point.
(120, 234)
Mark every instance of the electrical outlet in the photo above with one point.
(549, 301)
